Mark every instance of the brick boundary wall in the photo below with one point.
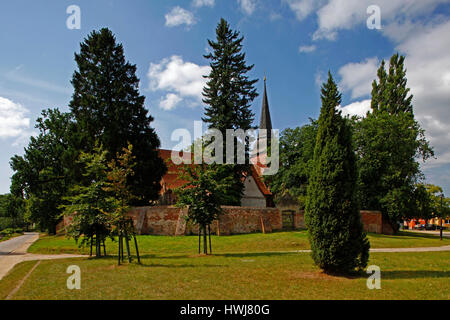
(170, 221)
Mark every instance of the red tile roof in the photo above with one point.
(171, 179)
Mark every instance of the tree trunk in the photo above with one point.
(137, 250)
(128, 246)
(120, 246)
(209, 234)
(205, 241)
(98, 252)
(199, 239)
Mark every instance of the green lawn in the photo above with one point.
(234, 276)
(254, 266)
(280, 241)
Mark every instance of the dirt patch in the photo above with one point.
(314, 275)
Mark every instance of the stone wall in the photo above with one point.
(169, 220)
(158, 220)
(372, 220)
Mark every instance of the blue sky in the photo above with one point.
(293, 42)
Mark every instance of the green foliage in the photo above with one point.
(13, 209)
(121, 196)
(335, 230)
(6, 223)
(228, 94)
(203, 194)
(439, 206)
(108, 108)
(389, 141)
(89, 204)
(296, 159)
(46, 170)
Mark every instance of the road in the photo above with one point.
(9, 246)
(14, 251)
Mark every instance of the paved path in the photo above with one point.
(14, 251)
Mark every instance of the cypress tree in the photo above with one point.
(338, 242)
(108, 107)
(228, 95)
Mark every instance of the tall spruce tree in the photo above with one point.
(108, 107)
(389, 143)
(228, 94)
(335, 230)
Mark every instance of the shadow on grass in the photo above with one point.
(405, 234)
(396, 274)
(254, 254)
(414, 274)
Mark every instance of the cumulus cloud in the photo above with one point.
(359, 108)
(307, 49)
(358, 77)
(178, 16)
(303, 8)
(13, 120)
(203, 3)
(170, 101)
(179, 79)
(248, 6)
(338, 15)
(426, 48)
(428, 64)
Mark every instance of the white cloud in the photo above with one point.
(358, 77)
(359, 108)
(428, 64)
(13, 120)
(303, 8)
(339, 15)
(426, 48)
(248, 6)
(203, 3)
(181, 80)
(307, 49)
(178, 16)
(170, 101)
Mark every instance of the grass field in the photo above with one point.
(254, 266)
(280, 241)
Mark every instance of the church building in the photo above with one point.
(256, 192)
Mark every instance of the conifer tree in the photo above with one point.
(108, 107)
(336, 234)
(228, 95)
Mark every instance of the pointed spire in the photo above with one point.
(266, 121)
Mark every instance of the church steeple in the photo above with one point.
(266, 122)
